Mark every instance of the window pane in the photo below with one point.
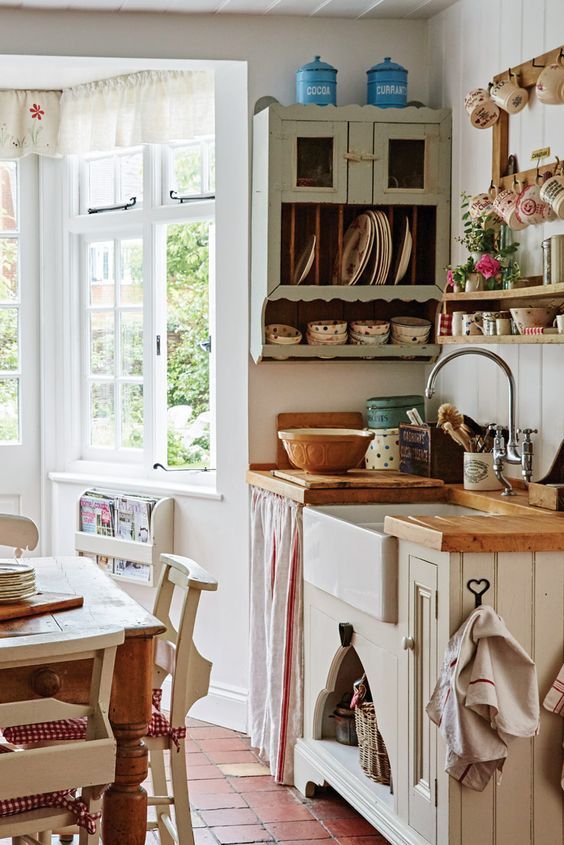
(8, 339)
(102, 343)
(211, 167)
(8, 196)
(187, 327)
(131, 334)
(131, 287)
(132, 416)
(9, 410)
(314, 163)
(131, 177)
(101, 179)
(406, 163)
(8, 269)
(188, 169)
(101, 272)
(102, 415)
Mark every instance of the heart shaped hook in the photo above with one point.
(478, 586)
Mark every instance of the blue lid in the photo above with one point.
(316, 65)
(387, 64)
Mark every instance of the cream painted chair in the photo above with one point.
(20, 532)
(54, 768)
(177, 656)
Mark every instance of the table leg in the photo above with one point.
(124, 814)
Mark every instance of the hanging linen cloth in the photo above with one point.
(486, 695)
(29, 123)
(276, 671)
(554, 702)
(149, 107)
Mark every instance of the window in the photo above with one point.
(145, 278)
(10, 301)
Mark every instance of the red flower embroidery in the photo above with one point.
(37, 111)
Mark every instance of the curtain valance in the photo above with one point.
(149, 107)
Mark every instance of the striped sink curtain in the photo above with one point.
(276, 666)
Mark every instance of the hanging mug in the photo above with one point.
(508, 95)
(550, 84)
(505, 205)
(481, 109)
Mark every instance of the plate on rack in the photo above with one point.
(404, 254)
(356, 251)
(386, 235)
(305, 261)
(375, 252)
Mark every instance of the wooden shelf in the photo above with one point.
(503, 339)
(408, 352)
(354, 293)
(533, 292)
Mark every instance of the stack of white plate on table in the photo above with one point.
(17, 581)
(367, 252)
(410, 330)
(281, 334)
(369, 332)
(327, 333)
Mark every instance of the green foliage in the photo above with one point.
(8, 410)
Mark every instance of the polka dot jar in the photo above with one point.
(383, 452)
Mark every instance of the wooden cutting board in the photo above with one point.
(40, 603)
(313, 419)
(382, 478)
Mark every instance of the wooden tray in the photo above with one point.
(383, 478)
(40, 603)
(313, 419)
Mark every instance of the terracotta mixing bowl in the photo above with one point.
(326, 450)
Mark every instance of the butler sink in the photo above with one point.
(348, 554)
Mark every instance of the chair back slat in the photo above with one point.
(40, 710)
(19, 532)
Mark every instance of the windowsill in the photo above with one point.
(137, 485)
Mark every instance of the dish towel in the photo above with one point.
(276, 668)
(486, 695)
(554, 701)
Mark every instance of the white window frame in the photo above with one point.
(16, 305)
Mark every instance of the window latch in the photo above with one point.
(190, 198)
(158, 339)
(122, 207)
(206, 345)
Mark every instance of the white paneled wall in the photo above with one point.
(469, 43)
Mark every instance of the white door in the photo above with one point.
(20, 419)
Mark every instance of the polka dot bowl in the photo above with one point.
(383, 452)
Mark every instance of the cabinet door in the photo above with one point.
(406, 166)
(314, 161)
(422, 741)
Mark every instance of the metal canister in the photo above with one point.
(387, 85)
(557, 259)
(546, 261)
(316, 83)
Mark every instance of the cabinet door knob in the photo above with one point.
(407, 643)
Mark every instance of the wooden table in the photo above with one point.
(125, 802)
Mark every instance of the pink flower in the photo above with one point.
(37, 111)
(488, 266)
(450, 279)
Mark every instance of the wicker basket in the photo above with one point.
(373, 755)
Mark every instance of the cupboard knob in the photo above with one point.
(408, 643)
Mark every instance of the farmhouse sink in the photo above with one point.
(348, 554)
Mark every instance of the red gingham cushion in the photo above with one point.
(76, 728)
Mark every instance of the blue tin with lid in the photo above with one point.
(387, 85)
(316, 83)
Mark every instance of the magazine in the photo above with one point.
(96, 514)
(131, 569)
(106, 563)
(133, 518)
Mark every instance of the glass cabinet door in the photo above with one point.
(314, 167)
(407, 162)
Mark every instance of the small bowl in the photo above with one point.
(413, 326)
(326, 450)
(538, 316)
(369, 340)
(329, 340)
(370, 327)
(327, 327)
(276, 333)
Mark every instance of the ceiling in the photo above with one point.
(305, 8)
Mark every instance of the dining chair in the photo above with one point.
(176, 656)
(20, 532)
(38, 783)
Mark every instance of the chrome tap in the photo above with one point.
(502, 452)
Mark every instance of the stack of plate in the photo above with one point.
(17, 581)
(367, 252)
(327, 333)
(282, 335)
(410, 330)
(369, 332)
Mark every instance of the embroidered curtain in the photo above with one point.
(149, 107)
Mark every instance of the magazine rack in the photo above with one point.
(147, 554)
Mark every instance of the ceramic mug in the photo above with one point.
(509, 96)
(481, 109)
(488, 323)
(552, 193)
(503, 325)
(559, 323)
(531, 208)
(478, 472)
(480, 205)
(505, 205)
(458, 323)
(471, 323)
(550, 84)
